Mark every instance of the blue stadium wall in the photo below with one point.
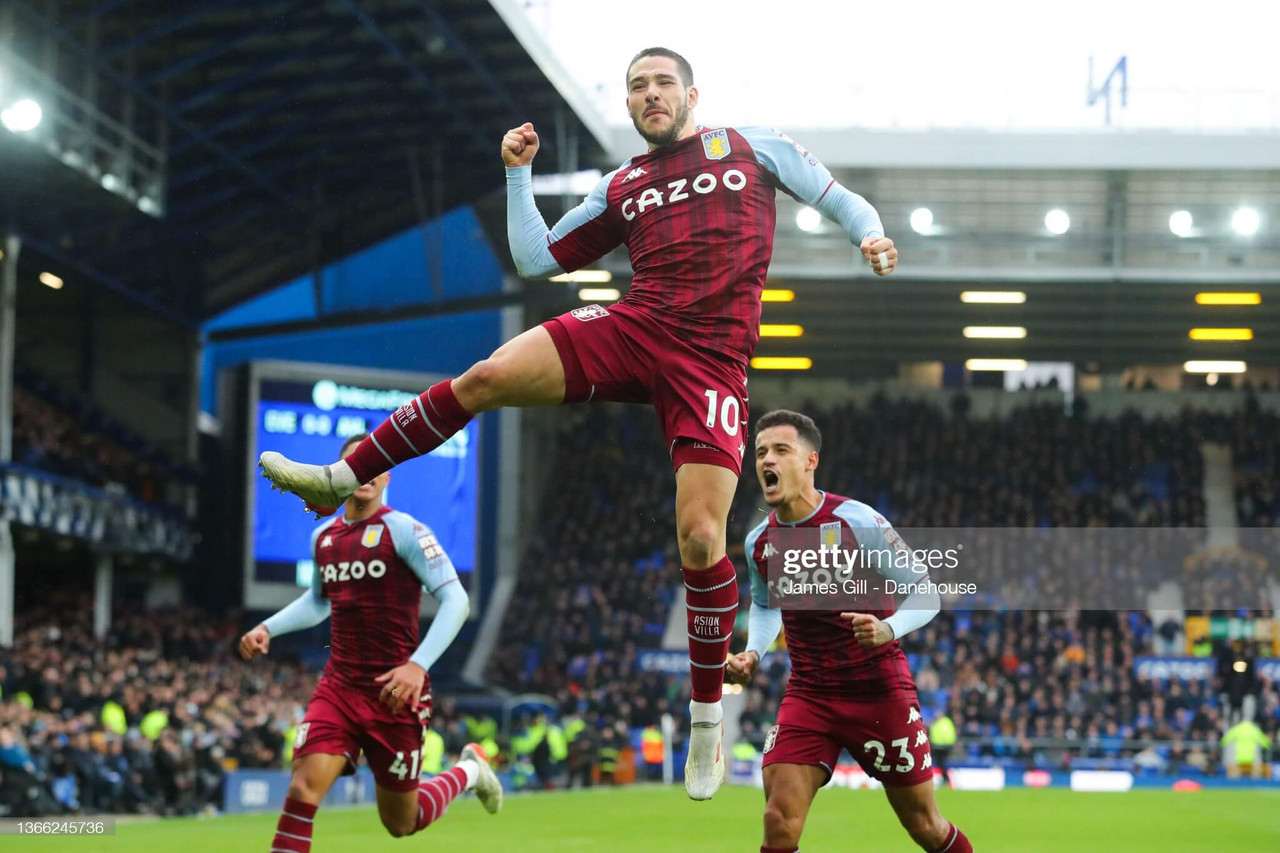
(394, 272)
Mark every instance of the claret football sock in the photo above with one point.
(711, 605)
(435, 794)
(293, 830)
(956, 842)
(415, 429)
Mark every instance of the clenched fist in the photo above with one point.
(880, 253)
(520, 145)
(255, 642)
(740, 667)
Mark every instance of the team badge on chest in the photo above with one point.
(715, 144)
(372, 536)
(830, 533)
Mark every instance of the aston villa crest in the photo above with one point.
(715, 144)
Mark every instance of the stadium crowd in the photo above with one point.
(88, 446)
(152, 717)
(596, 575)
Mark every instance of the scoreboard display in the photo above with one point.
(307, 415)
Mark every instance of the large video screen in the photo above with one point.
(307, 420)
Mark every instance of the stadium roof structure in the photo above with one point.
(286, 134)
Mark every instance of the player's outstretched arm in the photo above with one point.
(804, 178)
(305, 611)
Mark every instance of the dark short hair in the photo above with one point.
(806, 429)
(686, 70)
(350, 440)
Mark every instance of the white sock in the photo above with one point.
(471, 769)
(706, 712)
(344, 479)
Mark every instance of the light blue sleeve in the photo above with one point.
(763, 622)
(416, 544)
(527, 233)
(804, 178)
(875, 533)
(309, 609)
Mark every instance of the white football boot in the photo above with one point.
(312, 483)
(704, 766)
(487, 788)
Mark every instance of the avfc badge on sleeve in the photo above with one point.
(372, 536)
(715, 144)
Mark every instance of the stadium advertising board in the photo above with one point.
(1194, 669)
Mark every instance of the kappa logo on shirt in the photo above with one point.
(633, 174)
(589, 312)
(914, 716)
(326, 541)
(769, 550)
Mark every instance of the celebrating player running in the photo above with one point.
(850, 687)
(696, 213)
(371, 564)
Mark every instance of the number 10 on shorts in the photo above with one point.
(729, 412)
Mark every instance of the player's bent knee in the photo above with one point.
(303, 790)
(483, 386)
(398, 827)
(699, 542)
(927, 830)
(780, 828)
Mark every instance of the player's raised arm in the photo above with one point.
(803, 177)
(306, 611)
(582, 235)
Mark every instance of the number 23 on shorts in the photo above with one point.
(728, 410)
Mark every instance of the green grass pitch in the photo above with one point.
(662, 819)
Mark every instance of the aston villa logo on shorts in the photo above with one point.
(372, 536)
(590, 312)
(715, 144)
(770, 739)
(301, 737)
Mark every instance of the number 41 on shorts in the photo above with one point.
(401, 770)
